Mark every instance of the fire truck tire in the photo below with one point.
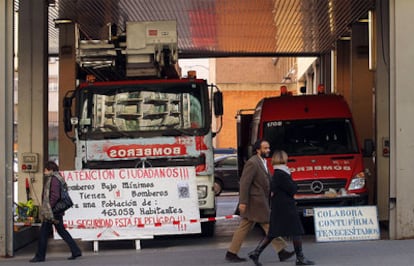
(218, 187)
(208, 228)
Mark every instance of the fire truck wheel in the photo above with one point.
(208, 228)
(218, 187)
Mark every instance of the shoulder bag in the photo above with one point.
(65, 202)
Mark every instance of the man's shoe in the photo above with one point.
(36, 259)
(284, 255)
(231, 257)
(74, 256)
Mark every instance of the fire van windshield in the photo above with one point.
(311, 137)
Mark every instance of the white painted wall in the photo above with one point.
(401, 122)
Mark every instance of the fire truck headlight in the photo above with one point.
(202, 191)
(358, 182)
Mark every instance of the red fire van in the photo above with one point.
(318, 133)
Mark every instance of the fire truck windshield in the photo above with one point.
(311, 137)
(156, 109)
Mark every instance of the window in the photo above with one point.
(146, 108)
(310, 137)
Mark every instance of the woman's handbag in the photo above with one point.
(65, 202)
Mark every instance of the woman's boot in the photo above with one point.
(254, 255)
(300, 258)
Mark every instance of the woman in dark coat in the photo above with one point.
(50, 196)
(284, 218)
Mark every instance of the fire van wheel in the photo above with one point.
(208, 228)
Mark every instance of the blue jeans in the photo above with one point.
(45, 229)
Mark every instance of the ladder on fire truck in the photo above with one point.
(142, 50)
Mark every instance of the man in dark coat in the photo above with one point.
(254, 203)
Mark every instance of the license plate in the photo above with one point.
(307, 212)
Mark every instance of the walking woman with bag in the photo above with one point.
(50, 196)
(284, 218)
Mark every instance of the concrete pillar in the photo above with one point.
(309, 81)
(325, 72)
(343, 69)
(401, 67)
(67, 82)
(316, 75)
(33, 91)
(6, 128)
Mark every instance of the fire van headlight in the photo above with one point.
(358, 182)
(202, 191)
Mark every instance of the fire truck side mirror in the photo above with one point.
(67, 114)
(218, 103)
(369, 148)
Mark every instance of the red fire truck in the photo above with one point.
(137, 111)
(318, 133)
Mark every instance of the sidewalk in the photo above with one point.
(210, 251)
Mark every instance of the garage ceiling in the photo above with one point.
(218, 28)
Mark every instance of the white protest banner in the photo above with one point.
(124, 203)
(346, 223)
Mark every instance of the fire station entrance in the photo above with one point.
(361, 50)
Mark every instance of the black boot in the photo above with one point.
(284, 254)
(300, 258)
(254, 255)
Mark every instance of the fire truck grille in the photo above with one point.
(320, 186)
